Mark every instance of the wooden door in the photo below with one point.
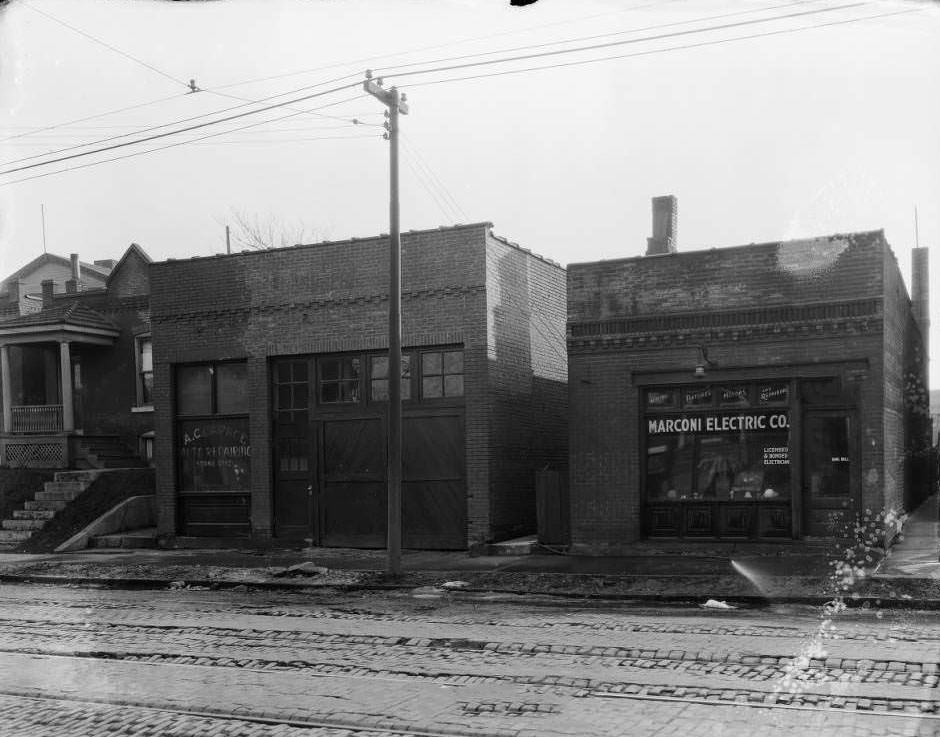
(434, 498)
(830, 471)
(352, 489)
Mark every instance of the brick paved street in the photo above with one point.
(78, 661)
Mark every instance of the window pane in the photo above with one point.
(776, 393)
(329, 369)
(828, 456)
(301, 396)
(453, 386)
(379, 367)
(350, 391)
(669, 462)
(300, 370)
(431, 386)
(380, 390)
(284, 396)
(329, 393)
(146, 355)
(738, 395)
(453, 362)
(147, 386)
(231, 380)
(283, 374)
(193, 390)
(351, 368)
(430, 363)
(697, 397)
(214, 455)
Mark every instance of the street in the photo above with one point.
(85, 661)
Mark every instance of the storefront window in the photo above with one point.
(716, 453)
(212, 442)
(214, 455)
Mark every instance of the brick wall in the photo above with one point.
(637, 322)
(527, 381)
(813, 270)
(906, 422)
(460, 286)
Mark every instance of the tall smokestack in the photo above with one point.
(665, 213)
(920, 293)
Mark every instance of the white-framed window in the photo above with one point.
(144, 371)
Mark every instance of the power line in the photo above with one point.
(433, 178)
(172, 145)
(444, 45)
(180, 130)
(178, 122)
(594, 47)
(379, 71)
(658, 51)
(424, 71)
(103, 43)
(92, 117)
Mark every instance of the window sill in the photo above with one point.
(146, 408)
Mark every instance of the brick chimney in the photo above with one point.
(665, 212)
(48, 292)
(920, 293)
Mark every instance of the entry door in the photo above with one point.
(830, 471)
(294, 484)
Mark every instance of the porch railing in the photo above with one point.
(37, 418)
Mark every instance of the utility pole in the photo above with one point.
(395, 104)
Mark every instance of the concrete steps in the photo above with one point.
(65, 487)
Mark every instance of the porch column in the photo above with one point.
(65, 374)
(7, 392)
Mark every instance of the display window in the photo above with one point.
(718, 460)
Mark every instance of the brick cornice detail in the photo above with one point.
(316, 304)
(795, 322)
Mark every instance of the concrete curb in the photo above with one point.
(746, 601)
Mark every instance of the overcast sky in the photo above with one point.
(812, 126)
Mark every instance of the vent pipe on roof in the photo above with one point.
(665, 213)
(76, 268)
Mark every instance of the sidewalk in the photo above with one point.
(910, 576)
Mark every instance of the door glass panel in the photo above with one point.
(828, 462)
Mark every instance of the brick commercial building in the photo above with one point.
(760, 392)
(272, 379)
(75, 363)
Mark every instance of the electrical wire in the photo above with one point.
(515, 71)
(174, 144)
(609, 44)
(93, 117)
(106, 45)
(379, 71)
(433, 178)
(657, 51)
(201, 116)
(446, 44)
(181, 130)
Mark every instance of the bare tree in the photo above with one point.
(262, 232)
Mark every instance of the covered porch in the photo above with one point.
(40, 378)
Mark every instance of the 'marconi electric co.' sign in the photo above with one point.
(736, 422)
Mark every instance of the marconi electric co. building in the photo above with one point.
(762, 392)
